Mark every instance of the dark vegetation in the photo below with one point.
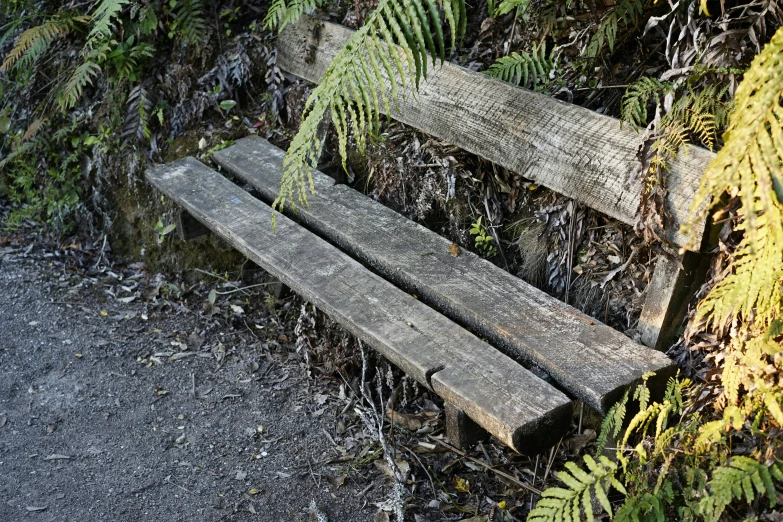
(92, 94)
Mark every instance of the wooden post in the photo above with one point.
(671, 288)
(189, 227)
(461, 430)
(279, 290)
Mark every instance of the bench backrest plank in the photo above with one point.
(591, 360)
(495, 391)
(569, 149)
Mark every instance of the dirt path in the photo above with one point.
(94, 426)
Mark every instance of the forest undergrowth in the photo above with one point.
(94, 93)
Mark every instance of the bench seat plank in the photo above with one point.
(592, 361)
(495, 391)
(569, 149)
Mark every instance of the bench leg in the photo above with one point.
(189, 227)
(280, 291)
(670, 290)
(461, 430)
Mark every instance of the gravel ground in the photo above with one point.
(95, 426)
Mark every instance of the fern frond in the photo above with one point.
(524, 69)
(624, 14)
(655, 413)
(281, 13)
(742, 478)
(137, 119)
(638, 96)
(82, 75)
(749, 166)
(612, 424)
(392, 46)
(34, 42)
(103, 21)
(581, 487)
(645, 506)
(189, 21)
(506, 6)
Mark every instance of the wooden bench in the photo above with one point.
(589, 360)
(569, 149)
(396, 285)
(502, 396)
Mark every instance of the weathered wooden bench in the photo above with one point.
(494, 390)
(569, 149)
(359, 261)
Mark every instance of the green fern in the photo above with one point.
(612, 424)
(645, 507)
(525, 69)
(506, 6)
(742, 478)
(694, 114)
(82, 76)
(652, 414)
(568, 504)
(34, 42)
(189, 21)
(103, 21)
(390, 47)
(638, 96)
(625, 14)
(281, 13)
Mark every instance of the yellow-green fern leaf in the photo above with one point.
(34, 42)
(750, 166)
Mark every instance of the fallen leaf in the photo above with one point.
(57, 456)
(254, 491)
(407, 421)
(237, 309)
(461, 485)
(337, 480)
(576, 443)
(454, 250)
(36, 508)
(381, 516)
(103, 313)
(403, 466)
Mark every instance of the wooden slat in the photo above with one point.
(569, 149)
(591, 360)
(499, 394)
